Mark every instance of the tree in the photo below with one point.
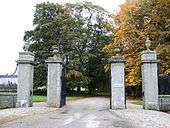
(137, 20)
(97, 26)
(53, 26)
(79, 36)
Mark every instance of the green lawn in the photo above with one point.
(39, 98)
(44, 98)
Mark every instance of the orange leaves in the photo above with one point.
(136, 20)
(108, 48)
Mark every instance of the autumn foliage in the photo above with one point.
(136, 20)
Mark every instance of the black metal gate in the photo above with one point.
(63, 87)
(110, 92)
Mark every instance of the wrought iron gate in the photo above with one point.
(63, 87)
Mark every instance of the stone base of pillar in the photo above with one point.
(118, 98)
(52, 104)
(151, 106)
(23, 104)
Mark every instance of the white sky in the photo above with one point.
(16, 17)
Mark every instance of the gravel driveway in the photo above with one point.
(86, 113)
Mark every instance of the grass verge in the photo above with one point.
(136, 101)
(39, 98)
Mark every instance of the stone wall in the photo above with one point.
(164, 102)
(8, 100)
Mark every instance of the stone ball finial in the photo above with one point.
(118, 50)
(148, 43)
(26, 47)
(55, 50)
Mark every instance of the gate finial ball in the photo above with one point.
(26, 47)
(148, 43)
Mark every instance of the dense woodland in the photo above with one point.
(87, 34)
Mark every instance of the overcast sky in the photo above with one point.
(16, 18)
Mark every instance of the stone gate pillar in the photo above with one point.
(25, 78)
(117, 82)
(149, 78)
(54, 81)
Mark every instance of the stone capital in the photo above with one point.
(26, 53)
(150, 61)
(117, 59)
(26, 56)
(25, 62)
(54, 59)
(149, 56)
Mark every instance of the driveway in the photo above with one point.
(88, 113)
(84, 113)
